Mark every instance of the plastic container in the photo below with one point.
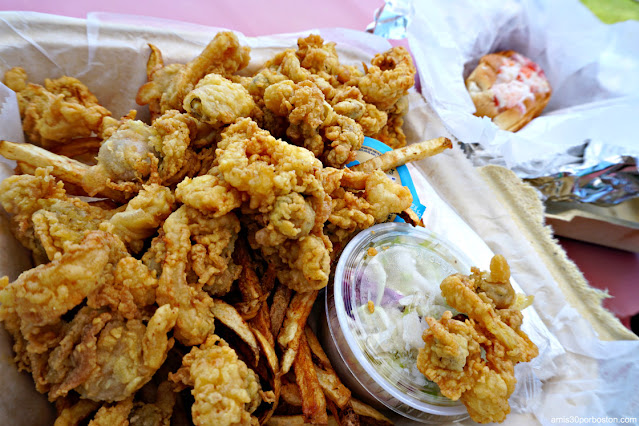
(356, 339)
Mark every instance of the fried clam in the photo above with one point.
(210, 226)
(218, 101)
(168, 85)
(60, 111)
(46, 220)
(374, 98)
(452, 355)
(313, 123)
(152, 405)
(225, 390)
(107, 349)
(133, 154)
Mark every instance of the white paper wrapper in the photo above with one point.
(109, 54)
(593, 70)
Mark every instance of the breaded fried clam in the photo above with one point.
(452, 355)
(62, 110)
(226, 391)
(169, 85)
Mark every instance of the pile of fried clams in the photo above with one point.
(471, 356)
(177, 262)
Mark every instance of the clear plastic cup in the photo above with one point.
(350, 331)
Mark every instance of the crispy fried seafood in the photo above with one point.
(226, 391)
(452, 356)
(181, 294)
(63, 110)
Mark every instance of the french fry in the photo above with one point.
(66, 169)
(295, 421)
(369, 415)
(291, 394)
(78, 147)
(399, 157)
(333, 388)
(261, 327)
(277, 388)
(229, 316)
(345, 416)
(281, 300)
(316, 349)
(262, 323)
(313, 400)
(293, 326)
(268, 280)
(411, 218)
(269, 352)
(248, 282)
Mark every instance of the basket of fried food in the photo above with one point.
(176, 261)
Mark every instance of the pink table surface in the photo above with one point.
(605, 268)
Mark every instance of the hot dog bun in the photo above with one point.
(509, 88)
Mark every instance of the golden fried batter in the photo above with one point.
(452, 355)
(218, 101)
(62, 110)
(226, 391)
(169, 85)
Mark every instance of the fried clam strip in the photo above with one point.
(57, 113)
(459, 292)
(40, 296)
(195, 320)
(226, 391)
(197, 264)
(142, 216)
(169, 85)
(452, 355)
(293, 327)
(107, 357)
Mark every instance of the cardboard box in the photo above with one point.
(616, 226)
